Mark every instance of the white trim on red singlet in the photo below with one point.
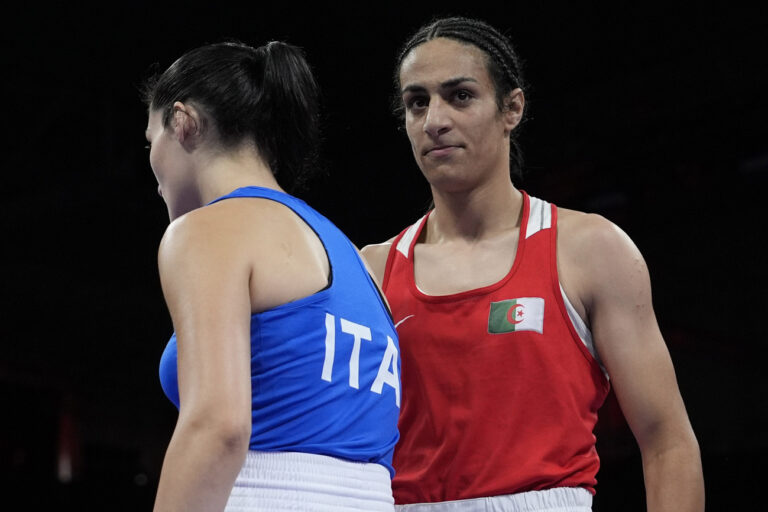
(585, 334)
(539, 216)
(404, 245)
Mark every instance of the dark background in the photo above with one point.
(654, 118)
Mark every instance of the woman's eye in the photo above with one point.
(463, 95)
(416, 103)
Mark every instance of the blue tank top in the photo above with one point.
(325, 369)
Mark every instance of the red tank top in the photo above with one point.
(500, 394)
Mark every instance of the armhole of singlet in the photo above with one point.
(274, 196)
(304, 219)
(390, 261)
(585, 334)
(576, 324)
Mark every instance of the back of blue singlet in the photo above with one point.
(325, 369)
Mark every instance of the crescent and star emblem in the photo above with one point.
(515, 314)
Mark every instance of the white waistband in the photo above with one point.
(559, 499)
(278, 481)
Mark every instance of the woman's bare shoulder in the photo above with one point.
(588, 234)
(375, 255)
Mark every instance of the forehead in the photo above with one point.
(442, 59)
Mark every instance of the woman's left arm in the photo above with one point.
(616, 293)
(205, 280)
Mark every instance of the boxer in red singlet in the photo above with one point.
(513, 314)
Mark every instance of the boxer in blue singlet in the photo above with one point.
(284, 362)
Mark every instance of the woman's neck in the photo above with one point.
(473, 215)
(224, 172)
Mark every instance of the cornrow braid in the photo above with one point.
(504, 67)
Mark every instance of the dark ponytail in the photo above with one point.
(266, 96)
(287, 130)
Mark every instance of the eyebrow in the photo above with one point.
(453, 82)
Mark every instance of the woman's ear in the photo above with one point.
(186, 123)
(514, 105)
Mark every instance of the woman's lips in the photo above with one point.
(440, 151)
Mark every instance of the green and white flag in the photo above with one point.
(523, 314)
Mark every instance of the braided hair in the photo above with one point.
(504, 67)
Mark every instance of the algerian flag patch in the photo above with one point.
(523, 314)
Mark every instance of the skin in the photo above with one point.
(471, 238)
(218, 265)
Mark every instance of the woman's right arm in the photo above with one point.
(205, 281)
